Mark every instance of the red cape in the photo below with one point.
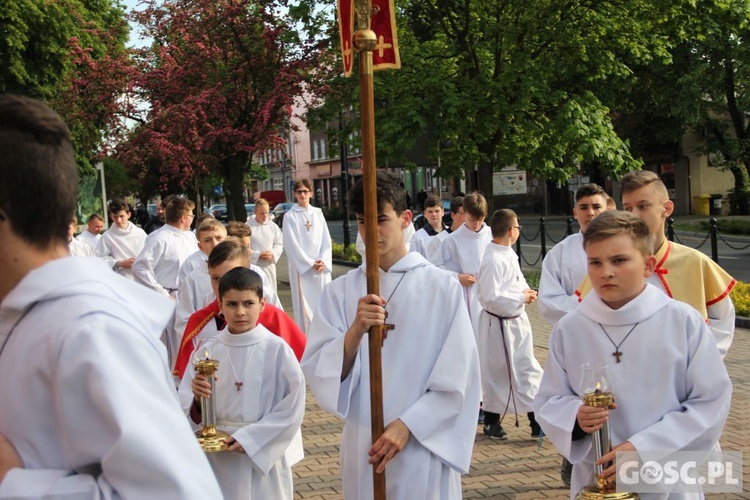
(277, 321)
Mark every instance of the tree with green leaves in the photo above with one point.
(70, 53)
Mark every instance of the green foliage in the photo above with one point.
(741, 297)
(729, 226)
(532, 277)
(349, 253)
(89, 197)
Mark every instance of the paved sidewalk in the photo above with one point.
(512, 469)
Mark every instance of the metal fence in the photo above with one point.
(542, 234)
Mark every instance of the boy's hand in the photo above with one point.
(201, 387)
(319, 266)
(591, 419)
(9, 457)
(529, 295)
(127, 263)
(610, 472)
(266, 255)
(466, 279)
(394, 439)
(234, 446)
(370, 312)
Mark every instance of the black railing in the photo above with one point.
(713, 235)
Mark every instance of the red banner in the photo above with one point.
(346, 33)
(383, 24)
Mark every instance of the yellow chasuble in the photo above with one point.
(687, 275)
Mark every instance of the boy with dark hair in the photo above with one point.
(80, 359)
(683, 273)
(429, 406)
(433, 213)
(654, 346)
(308, 250)
(119, 245)
(259, 396)
(564, 267)
(206, 321)
(510, 372)
(457, 216)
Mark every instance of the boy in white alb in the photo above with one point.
(308, 249)
(206, 321)
(119, 245)
(564, 267)
(93, 231)
(195, 287)
(457, 216)
(76, 247)
(670, 385)
(683, 273)
(433, 213)
(259, 396)
(267, 242)
(462, 251)
(429, 405)
(89, 410)
(158, 264)
(510, 372)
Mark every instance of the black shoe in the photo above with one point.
(566, 470)
(480, 420)
(495, 431)
(535, 429)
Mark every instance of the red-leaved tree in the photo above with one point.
(219, 79)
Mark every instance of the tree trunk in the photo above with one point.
(234, 169)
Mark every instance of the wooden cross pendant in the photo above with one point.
(308, 225)
(617, 355)
(238, 385)
(384, 331)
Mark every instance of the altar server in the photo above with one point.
(430, 365)
(158, 264)
(670, 385)
(510, 372)
(683, 273)
(259, 395)
(564, 267)
(462, 251)
(308, 249)
(120, 244)
(267, 242)
(89, 407)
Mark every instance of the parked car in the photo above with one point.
(250, 209)
(277, 215)
(220, 212)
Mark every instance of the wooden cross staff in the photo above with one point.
(365, 42)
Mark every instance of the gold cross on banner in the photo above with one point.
(382, 46)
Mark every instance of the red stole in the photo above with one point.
(277, 321)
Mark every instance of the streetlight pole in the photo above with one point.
(344, 181)
(100, 168)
